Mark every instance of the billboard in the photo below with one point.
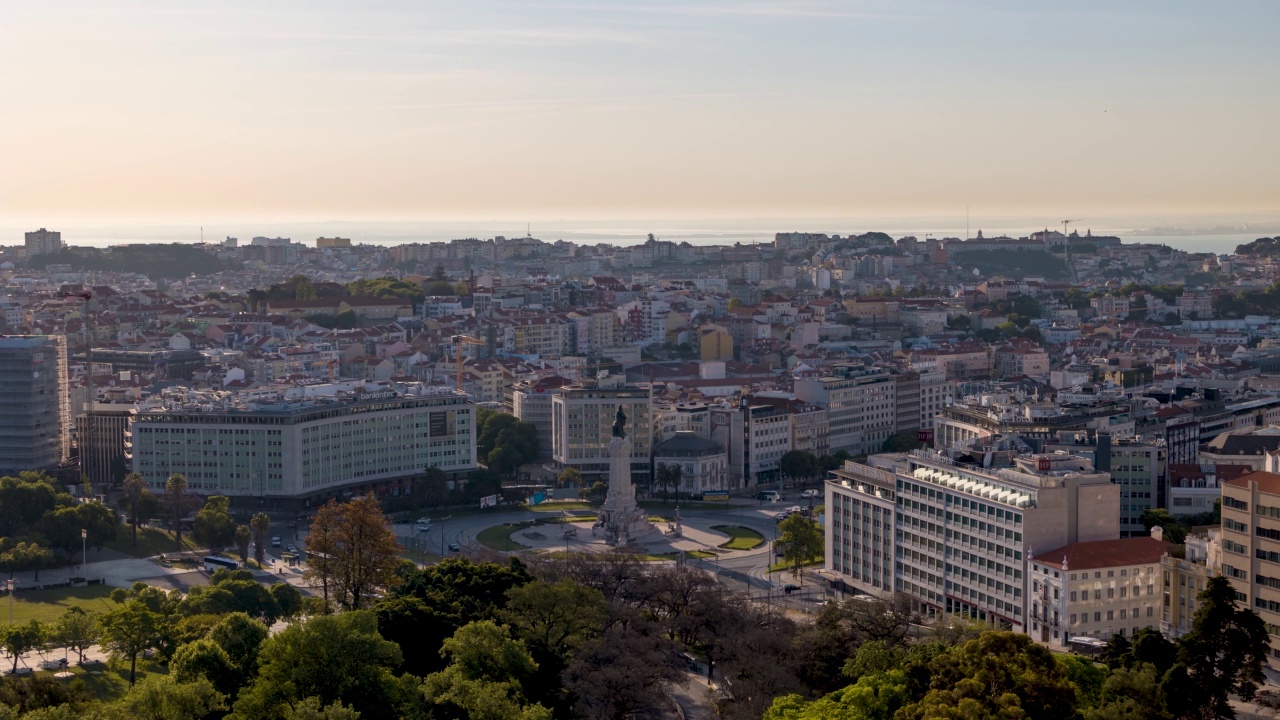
(489, 501)
(716, 496)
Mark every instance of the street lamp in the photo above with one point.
(84, 552)
(442, 535)
(10, 601)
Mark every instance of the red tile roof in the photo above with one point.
(1104, 553)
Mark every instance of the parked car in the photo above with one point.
(780, 516)
(454, 547)
(769, 495)
(795, 510)
(811, 493)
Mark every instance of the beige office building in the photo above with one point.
(1251, 547)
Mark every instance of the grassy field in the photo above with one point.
(151, 541)
(692, 555)
(107, 682)
(740, 538)
(46, 605)
(498, 537)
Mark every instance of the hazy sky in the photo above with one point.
(324, 110)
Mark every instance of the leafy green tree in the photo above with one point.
(620, 672)
(1174, 531)
(131, 629)
(76, 629)
(876, 696)
(24, 557)
(904, 441)
(62, 526)
(553, 620)
(999, 675)
(570, 477)
(260, 526)
(485, 677)
(164, 698)
(799, 465)
(17, 640)
(1223, 655)
(668, 477)
(334, 658)
(504, 442)
(801, 540)
(302, 288)
(205, 659)
(312, 709)
(288, 598)
(214, 526)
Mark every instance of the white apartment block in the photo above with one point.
(43, 242)
(582, 424)
(861, 407)
(958, 538)
(303, 447)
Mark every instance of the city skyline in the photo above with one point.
(539, 111)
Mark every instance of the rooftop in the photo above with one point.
(1105, 553)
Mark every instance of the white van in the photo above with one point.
(769, 495)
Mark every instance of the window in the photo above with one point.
(1234, 504)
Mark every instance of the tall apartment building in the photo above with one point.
(310, 445)
(43, 242)
(531, 403)
(35, 412)
(861, 406)
(1139, 468)
(333, 242)
(756, 435)
(1251, 548)
(957, 538)
(582, 425)
(103, 439)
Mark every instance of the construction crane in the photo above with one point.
(1065, 223)
(459, 341)
(1066, 246)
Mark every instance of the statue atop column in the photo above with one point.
(621, 519)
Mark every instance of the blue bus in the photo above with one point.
(213, 563)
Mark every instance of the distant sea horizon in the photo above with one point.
(1219, 239)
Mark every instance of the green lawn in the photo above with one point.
(553, 506)
(46, 605)
(740, 538)
(498, 537)
(151, 541)
(692, 555)
(106, 682)
(781, 566)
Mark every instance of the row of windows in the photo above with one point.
(1097, 616)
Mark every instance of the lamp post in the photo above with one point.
(10, 601)
(442, 535)
(84, 552)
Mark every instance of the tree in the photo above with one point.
(1174, 530)
(619, 674)
(486, 676)
(62, 526)
(667, 477)
(302, 288)
(175, 490)
(130, 629)
(334, 658)
(735, 303)
(164, 698)
(799, 465)
(24, 557)
(141, 504)
(570, 477)
(999, 675)
(76, 629)
(360, 551)
(214, 526)
(904, 441)
(19, 639)
(1223, 655)
(873, 697)
(553, 620)
(801, 540)
(260, 526)
(243, 537)
(311, 709)
(439, 274)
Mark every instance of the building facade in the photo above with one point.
(704, 465)
(104, 445)
(35, 412)
(582, 423)
(43, 242)
(959, 537)
(303, 448)
(1251, 548)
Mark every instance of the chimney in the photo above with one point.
(1157, 532)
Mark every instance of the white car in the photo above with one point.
(811, 494)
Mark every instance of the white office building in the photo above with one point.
(957, 538)
(303, 443)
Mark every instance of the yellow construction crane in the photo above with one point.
(458, 342)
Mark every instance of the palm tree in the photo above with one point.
(134, 488)
(176, 488)
(668, 477)
(260, 524)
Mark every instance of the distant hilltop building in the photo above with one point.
(43, 242)
(270, 242)
(333, 242)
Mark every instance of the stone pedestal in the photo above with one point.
(621, 520)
